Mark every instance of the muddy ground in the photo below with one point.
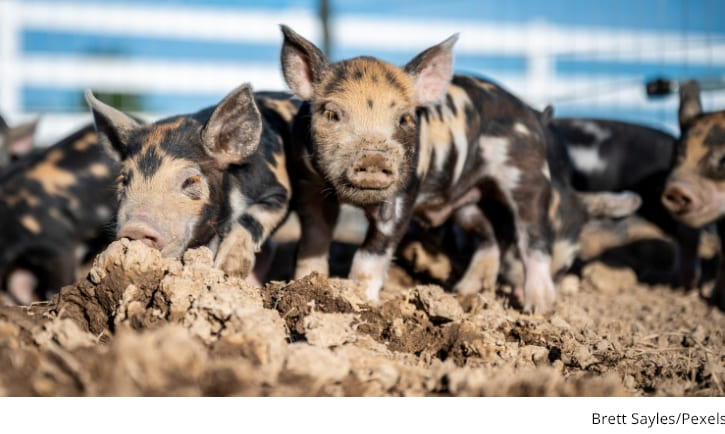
(139, 324)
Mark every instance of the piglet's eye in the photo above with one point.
(406, 120)
(330, 115)
(191, 181)
(192, 187)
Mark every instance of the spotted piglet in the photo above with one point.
(695, 190)
(56, 212)
(214, 178)
(369, 135)
(613, 155)
(437, 253)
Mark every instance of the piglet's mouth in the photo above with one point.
(698, 218)
(349, 193)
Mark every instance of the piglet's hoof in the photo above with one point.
(236, 254)
(539, 297)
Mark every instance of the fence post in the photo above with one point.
(10, 27)
(540, 62)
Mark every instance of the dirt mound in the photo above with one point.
(140, 324)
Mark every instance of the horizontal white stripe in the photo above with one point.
(146, 75)
(168, 22)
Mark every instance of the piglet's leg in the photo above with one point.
(387, 223)
(482, 272)
(236, 253)
(318, 217)
(21, 286)
(687, 261)
(718, 293)
(533, 235)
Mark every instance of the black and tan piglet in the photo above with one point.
(214, 178)
(608, 155)
(695, 190)
(415, 140)
(56, 212)
(437, 254)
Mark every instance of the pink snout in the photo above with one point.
(372, 170)
(678, 198)
(140, 231)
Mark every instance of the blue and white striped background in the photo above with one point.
(587, 58)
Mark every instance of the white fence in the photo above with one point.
(538, 42)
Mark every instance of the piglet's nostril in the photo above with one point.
(371, 170)
(677, 199)
(143, 233)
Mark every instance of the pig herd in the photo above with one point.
(420, 150)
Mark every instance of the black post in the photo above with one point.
(325, 22)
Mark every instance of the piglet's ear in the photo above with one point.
(302, 63)
(432, 71)
(3, 126)
(113, 127)
(690, 106)
(20, 138)
(234, 129)
(547, 115)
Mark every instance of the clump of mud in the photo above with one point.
(140, 324)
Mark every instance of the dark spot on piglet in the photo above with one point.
(253, 226)
(716, 136)
(149, 163)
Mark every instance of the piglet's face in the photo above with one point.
(162, 208)
(171, 184)
(363, 121)
(695, 191)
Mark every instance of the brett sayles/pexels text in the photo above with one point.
(658, 419)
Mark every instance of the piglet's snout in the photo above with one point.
(372, 170)
(141, 231)
(678, 198)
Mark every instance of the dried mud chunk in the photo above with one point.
(316, 363)
(63, 332)
(258, 336)
(9, 332)
(17, 365)
(439, 305)
(329, 329)
(569, 284)
(208, 312)
(534, 354)
(295, 301)
(164, 361)
(608, 280)
(232, 378)
(583, 356)
(92, 303)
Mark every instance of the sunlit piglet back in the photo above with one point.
(695, 191)
(214, 178)
(414, 140)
